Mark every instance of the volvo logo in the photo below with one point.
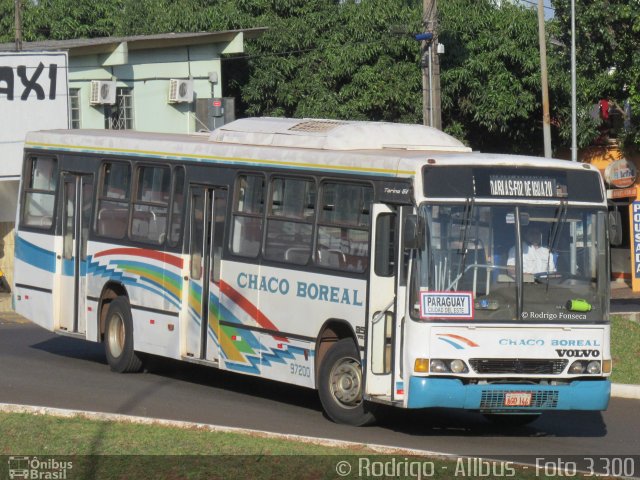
(578, 353)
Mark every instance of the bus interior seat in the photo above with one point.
(332, 257)
(113, 222)
(299, 255)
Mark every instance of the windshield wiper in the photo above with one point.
(464, 237)
(559, 221)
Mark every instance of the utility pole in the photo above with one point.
(574, 126)
(431, 111)
(18, 18)
(546, 119)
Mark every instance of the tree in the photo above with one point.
(330, 60)
(490, 75)
(608, 61)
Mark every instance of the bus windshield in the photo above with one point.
(478, 263)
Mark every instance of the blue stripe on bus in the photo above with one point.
(34, 255)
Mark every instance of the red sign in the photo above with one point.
(623, 193)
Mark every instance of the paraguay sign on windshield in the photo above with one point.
(448, 305)
(33, 96)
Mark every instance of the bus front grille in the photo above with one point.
(494, 399)
(517, 365)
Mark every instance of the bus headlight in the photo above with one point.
(458, 366)
(593, 367)
(577, 368)
(438, 366)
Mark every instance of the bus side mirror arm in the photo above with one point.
(414, 233)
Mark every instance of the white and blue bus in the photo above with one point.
(377, 263)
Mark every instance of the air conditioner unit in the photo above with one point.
(180, 91)
(103, 92)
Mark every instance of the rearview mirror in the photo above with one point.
(615, 228)
(414, 232)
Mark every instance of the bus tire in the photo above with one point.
(118, 338)
(340, 385)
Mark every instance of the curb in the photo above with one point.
(117, 417)
(621, 390)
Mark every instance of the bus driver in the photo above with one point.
(535, 257)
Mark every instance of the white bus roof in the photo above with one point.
(335, 135)
(385, 149)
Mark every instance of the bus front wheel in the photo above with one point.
(118, 338)
(340, 385)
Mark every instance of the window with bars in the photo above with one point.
(120, 115)
(74, 107)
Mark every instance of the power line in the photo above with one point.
(535, 5)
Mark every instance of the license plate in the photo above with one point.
(517, 399)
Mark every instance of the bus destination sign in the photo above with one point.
(525, 186)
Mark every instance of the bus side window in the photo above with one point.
(343, 226)
(177, 199)
(385, 253)
(113, 204)
(151, 204)
(39, 193)
(248, 215)
(290, 220)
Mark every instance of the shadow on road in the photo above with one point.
(189, 372)
(432, 422)
(453, 422)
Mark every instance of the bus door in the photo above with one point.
(77, 204)
(382, 302)
(207, 209)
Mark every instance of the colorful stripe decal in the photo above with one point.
(141, 252)
(68, 267)
(240, 349)
(248, 307)
(456, 337)
(147, 276)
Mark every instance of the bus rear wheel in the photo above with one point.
(340, 385)
(118, 338)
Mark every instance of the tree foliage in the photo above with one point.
(334, 61)
(608, 61)
(491, 75)
(358, 59)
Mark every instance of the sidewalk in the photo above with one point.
(621, 290)
(5, 303)
(625, 302)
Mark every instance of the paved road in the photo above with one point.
(39, 368)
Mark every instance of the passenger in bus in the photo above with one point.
(535, 257)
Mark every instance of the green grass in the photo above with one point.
(120, 450)
(625, 350)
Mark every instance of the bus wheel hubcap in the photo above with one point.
(116, 335)
(346, 382)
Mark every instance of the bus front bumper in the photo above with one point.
(427, 392)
